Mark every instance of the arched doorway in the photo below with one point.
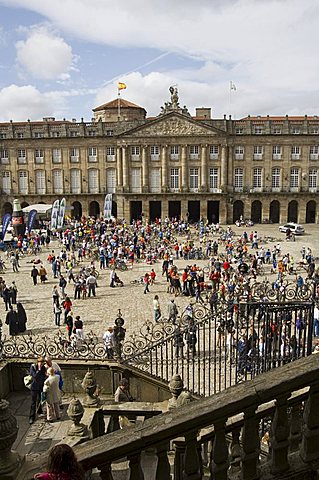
(293, 211)
(255, 213)
(274, 211)
(311, 212)
(77, 210)
(238, 210)
(94, 209)
(7, 208)
(24, 205)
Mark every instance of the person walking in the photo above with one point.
(34, 275)
(52, 391)
(157, 309)
(146, 281)
(57, 313)
(38, 374)
(42, 273)
(172, 311)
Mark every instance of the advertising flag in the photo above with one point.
(61, 213)
(5, 223)
(54, 214)
(31, 218)
(108, 206)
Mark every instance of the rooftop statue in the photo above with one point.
(173, 105)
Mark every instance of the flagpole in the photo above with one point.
(118, 104)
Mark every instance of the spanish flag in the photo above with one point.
(121, 86)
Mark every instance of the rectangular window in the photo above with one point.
(93, 176)
(174, 152)
(155, 152)
(294, 178)
(110, 180)
(92, 154)
(194, 152)
(110, 154)
(23, 181)
(277, 131)
(257, 177)
(239, 131)
(75, 175)
(155, 180)
(22, 157)
(109, 133)
(74, 155)
(313, 179)
(238, 179)
(20, 135)
(135, 152)
(276, 152)
(275, 177)
(40, 181)
(314, 131)
(213, 152)
(38, 156)
(213, 179)
(4, 156)
(314, 152)
(136, 186)
(56, 155)
(55, 134)
(6, 182)
(258, 130)
(3, 135)
(74, 133)
(295, 152)
(295, 131)
(193, 179)
(92, 133)
(239, 152)
(38, 134)
(174, 178)
(258, 152)
(57, 181)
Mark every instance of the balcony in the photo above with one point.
(239, 156)
(4, 160)
(39, 160)
(215, 190)
(193, 156)
(155, 157)
(295, 156)
(276, 189)
(135, 158)
(110, 158)
(276, 156)
(92, 158)
(313, 189)
(294, 189)
(258, 156)
(74, 158)
(314, 156)
(213, 156)
(174, 156)
(238, 189)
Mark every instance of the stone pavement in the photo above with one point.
(99, 313)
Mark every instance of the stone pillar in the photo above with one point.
(119, 168)
(203, 208)
(230, 174)
(203, 166)
(126, 185)
(146, 210)
(144, 171)
(164, 208)
(184, 169)
(184, 207)
(283, 211)
(223, 169)
(164, 169)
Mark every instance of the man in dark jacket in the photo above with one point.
(38, 373)
(34, 275)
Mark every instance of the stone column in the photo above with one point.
(146, 210)
(119, 168)
(203, 166)
(230, 181)
(145, 188)
(164, 168)
(126, 185)
(223, 169)
(184, 169)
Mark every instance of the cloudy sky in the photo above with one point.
(65, 57)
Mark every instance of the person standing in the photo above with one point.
(34, 275)
(52, 391)
(69, 324)
(91, 284)
(67, 304)
(14, 293)
(57, 313)
(108, 338)
(122, 393)
(172, 311)
(6, 295)
(157, 309)
(38, 374)
(42, 273)
(12, 321)
(22, 318)
(78, 326)
(146, 281)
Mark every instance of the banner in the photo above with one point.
(5, 223)
(61, 213)
(108, 206)
(31, 218)
(54, 214)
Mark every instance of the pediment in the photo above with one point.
(172, 125)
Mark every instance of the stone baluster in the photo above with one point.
(136, 472)
(179, 447)
(184, 169)
(106, 471)
(163, 470)
(192, 463)
(219, 457)
(251, 445)
(295, 428)
(144, 170)
(279, 437)
(235, 452)
(310, 435)
(203, 166)
(119, 167)
(164, 168)
(9, 461)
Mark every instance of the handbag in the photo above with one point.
(27, 380)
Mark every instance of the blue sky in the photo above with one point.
(64, 57)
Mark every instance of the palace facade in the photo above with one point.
(175, 164)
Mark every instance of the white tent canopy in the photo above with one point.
(39, 207)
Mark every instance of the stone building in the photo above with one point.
(175, 164)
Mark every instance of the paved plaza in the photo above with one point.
(99, 313)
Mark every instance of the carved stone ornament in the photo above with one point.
(89, 385)
(173, 126)
(179, 397)
(75, 413)
(9, 461)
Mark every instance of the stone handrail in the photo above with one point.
(276, 385)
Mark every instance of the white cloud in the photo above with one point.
(44, 54)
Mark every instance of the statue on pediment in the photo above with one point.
(173, 105)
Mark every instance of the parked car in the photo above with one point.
(294, 228)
